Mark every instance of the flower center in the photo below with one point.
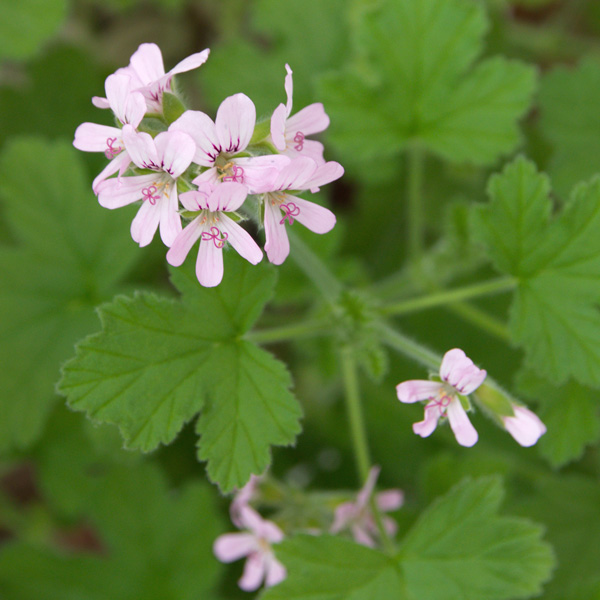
(230, 172)
(216, 235)
(111, 151)
(291, 210)
(149, 193)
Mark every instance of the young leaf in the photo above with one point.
(63, 264)
(158, 363)
(554, 315)
(420, 83)
(459, 549)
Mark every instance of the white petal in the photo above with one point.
(145, 223)
(175, 151)
(91, 137)
(191, 62)
(170, 221)
(241, 240)
(278, 127)
(313, 216)
(416, 390)
(311, 119)
(465, 433)
(147, 62)
(293, 175)
(184, 242)
(235, 122)
(526, 427)
(233, 546)
(277, 244)
(228, 196)
(426, 427)
(141, 148)
(119, 163)
(203, 131)
(260, 172)
(325, 173)
(114, 193)
(209, 264)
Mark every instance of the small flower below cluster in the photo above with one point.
(525, 426)
(357, 515)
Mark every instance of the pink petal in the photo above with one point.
(311, 119)
(277, 244)
(460, 372)
(293, 175)
(194, 200)
(145, 223)
(120, 163)
(389, 500)
(260, 172)
(390, 526)
(416, 390)
(325, 173)
(278, 127)
(254, 572)
(183, 243)
(470, 380)
(91, 137)
(316, 218)
(365, 493)
(99, 102)
(114, 193)
(175, 151)
(344, 513)
(362, 536)
(147, 62)
(202, 130)
(310, 148)
(209, 264)
(235, 123)
(233, 546)
(170, 221)
(241, 240)
(465, 433)
(227, 196)
(526, 427)
(426, 427)
(191, 62)
(210, 177)
(276, 572)
(128, 106)
(141, 148)
(289, 89)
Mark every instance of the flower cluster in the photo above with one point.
(196, 178)
(447, 397)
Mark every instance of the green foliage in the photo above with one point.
(159, 362)
(25, 25)
(62, 265)
(415, 80)
(154, 545)
(569, 119)
(554, 315)
(458, 549)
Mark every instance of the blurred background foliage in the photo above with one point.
(79, 517)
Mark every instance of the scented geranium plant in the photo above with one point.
(312, 314)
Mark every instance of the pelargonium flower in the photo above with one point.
(147, 74)
(289, 133)
(256, 544)
(218, 142)
(526, 427)
(459, 378)
(214, 229)
(168, 155)
(129, 108)
(242, 498)
(357, 515)
(283, 207)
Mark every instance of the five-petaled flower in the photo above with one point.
(357, 516)
(214, 228)
(459, 378)
(256, 545)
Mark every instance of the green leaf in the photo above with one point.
(554, 314)
(64, 262)
(158, 363)
(25, 25)
(156, 544)
(568, 97)
(414, 80)
(459, 549)
(570, 412)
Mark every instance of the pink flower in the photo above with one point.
(129, 108)
(358, 517)
(255, 543)
(282, 207)
(214, 229)
(459, 377)
(289, 133)
(147, 73)
(168, 155)
(242, 498)
(525, 426)
(218, 142)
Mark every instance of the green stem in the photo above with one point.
(494, 286)
(415, 165)
(409, 347)
(315, 269)
(359, 436)
(484, 321)
(287, 332)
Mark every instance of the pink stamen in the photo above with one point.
(148, 194)
(299, 139)
(215, 235)
(291, 211)
(111, 151)
(442, 404)
(237, 175)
